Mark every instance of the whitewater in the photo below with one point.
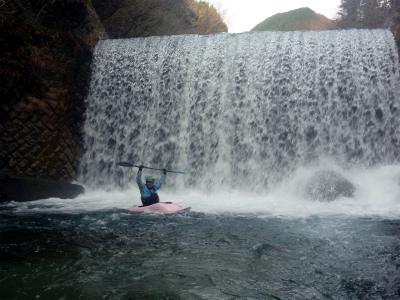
(377, 196)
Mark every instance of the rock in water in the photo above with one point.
(328, 186)
(29, 189)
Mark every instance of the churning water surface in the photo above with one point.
(230, 246)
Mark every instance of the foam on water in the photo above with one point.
(377, 195)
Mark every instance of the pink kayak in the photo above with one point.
(163, 207)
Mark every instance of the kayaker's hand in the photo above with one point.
(141, 168)
(164, 171)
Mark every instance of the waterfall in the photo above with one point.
(241, 111)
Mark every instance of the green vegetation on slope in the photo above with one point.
(298, 19)
(45, 51)
(142, 18)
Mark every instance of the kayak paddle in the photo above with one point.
(129, 165)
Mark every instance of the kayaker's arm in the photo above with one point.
(159, 183)
(140, 183)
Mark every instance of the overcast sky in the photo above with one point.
(243, 15)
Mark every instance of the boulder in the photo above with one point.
(28, 189)
(328, 186)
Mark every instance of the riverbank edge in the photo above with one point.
(30, 189)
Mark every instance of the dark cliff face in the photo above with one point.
(44, 73)
(45, 63)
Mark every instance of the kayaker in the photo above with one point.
(148, 190)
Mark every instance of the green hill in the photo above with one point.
(298, 19)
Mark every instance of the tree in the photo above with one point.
(363, 13)
(204, 18)
(393, 20)
(374, 12)
(141, 18)
(349, 13)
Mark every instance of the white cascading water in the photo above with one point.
(241, 112)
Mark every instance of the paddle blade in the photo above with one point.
(125, 164)
(176, 172)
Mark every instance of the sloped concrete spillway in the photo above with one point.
(242, 111)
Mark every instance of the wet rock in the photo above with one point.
(28, 189)
(328, 186)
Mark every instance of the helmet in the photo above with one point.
(150, 178)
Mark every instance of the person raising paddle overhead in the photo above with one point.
(148, 190)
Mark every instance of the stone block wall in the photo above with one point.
(39, 144)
